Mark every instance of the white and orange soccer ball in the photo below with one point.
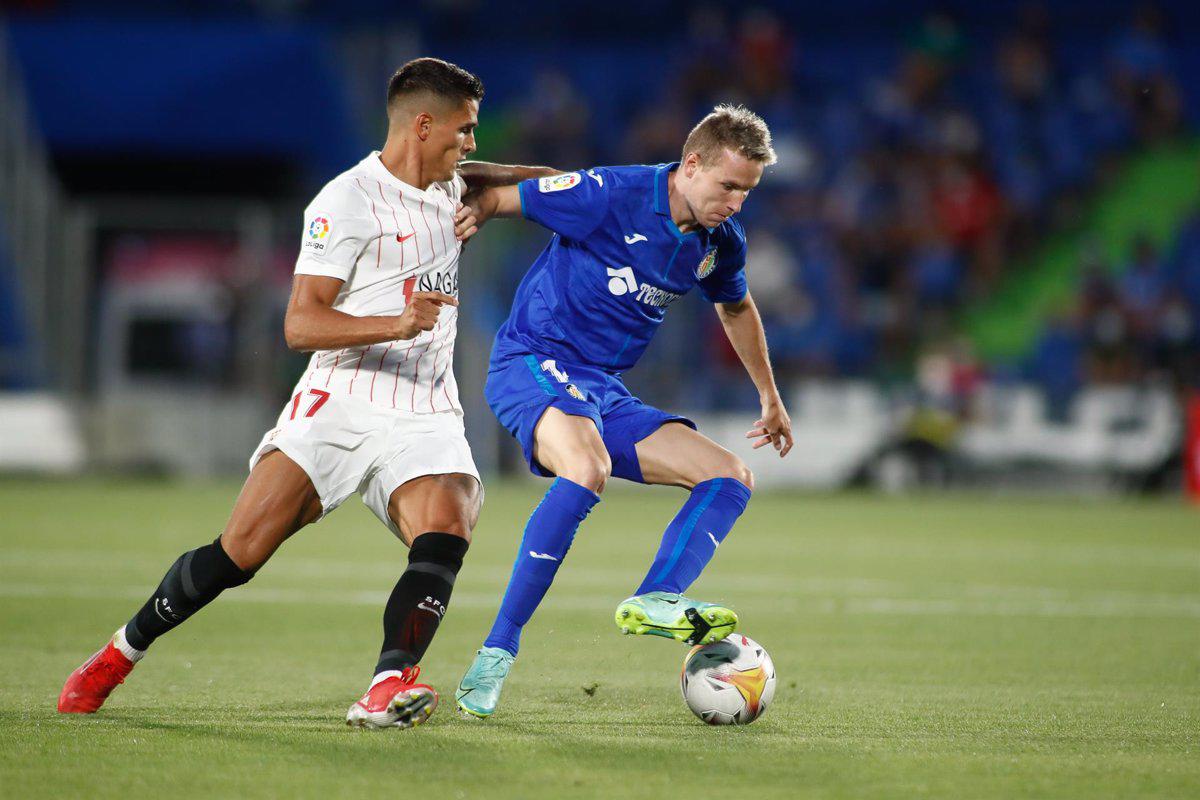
(730, 682)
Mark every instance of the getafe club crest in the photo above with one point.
(707, 264)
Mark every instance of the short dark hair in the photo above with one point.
(437, 77)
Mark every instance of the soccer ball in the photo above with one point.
(730, 682)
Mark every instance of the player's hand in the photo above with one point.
(466, 224)
(421, 313)
(477, 202)
(774, 427)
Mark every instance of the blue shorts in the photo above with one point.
(521, 388)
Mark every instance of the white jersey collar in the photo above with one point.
(375, 168)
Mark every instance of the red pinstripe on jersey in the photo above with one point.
(400, 364)
(379, 366)
(449, 403)
(396, 385)
(379, 241)
(335, 364)
(439, 377)
(395, 221)
(416, 240)
(442, 219)
(412, 401)
(425, 219)
(358, 366)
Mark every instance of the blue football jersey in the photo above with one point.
(600, 289)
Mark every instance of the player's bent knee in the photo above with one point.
(251, 540)
(247, 550)
(447, 503)
(744, 475)
(591, 471)
(463, 500)
(733, 467)
(456, 524)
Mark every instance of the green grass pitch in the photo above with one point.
(941, 646)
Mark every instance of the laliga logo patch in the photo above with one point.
(707, 264)
(574, 391)
(556, 183)
(318, 232)
(318, 228)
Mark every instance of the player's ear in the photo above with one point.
(423, 124)
(691, 163)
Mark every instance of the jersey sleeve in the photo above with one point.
(572, 204)
(727, 282)
(337, 228)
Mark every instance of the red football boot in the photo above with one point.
(394, 702)
(89, 686)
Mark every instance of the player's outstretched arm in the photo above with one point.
(499, 201)
(479, 175)
(492, 191)
(744, 327)
(311, 322)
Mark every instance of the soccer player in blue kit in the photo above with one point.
(628, 242)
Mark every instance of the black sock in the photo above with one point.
(419, 600)
(191, 583)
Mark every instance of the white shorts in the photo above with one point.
(347, 445)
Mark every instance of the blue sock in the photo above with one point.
(548, 536)
(692, 537)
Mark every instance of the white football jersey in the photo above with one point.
(386, 240)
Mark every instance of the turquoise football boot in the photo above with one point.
(675, 617)
(479, 690)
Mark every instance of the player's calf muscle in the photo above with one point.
(251, 541)
(192, 582)
(277, 500)
(435, 515)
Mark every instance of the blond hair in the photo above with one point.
(734, 127)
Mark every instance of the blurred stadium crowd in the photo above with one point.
(923, 165)
(910, 185)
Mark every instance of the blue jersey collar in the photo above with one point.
(662, 203)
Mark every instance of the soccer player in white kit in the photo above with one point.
(377, 410)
